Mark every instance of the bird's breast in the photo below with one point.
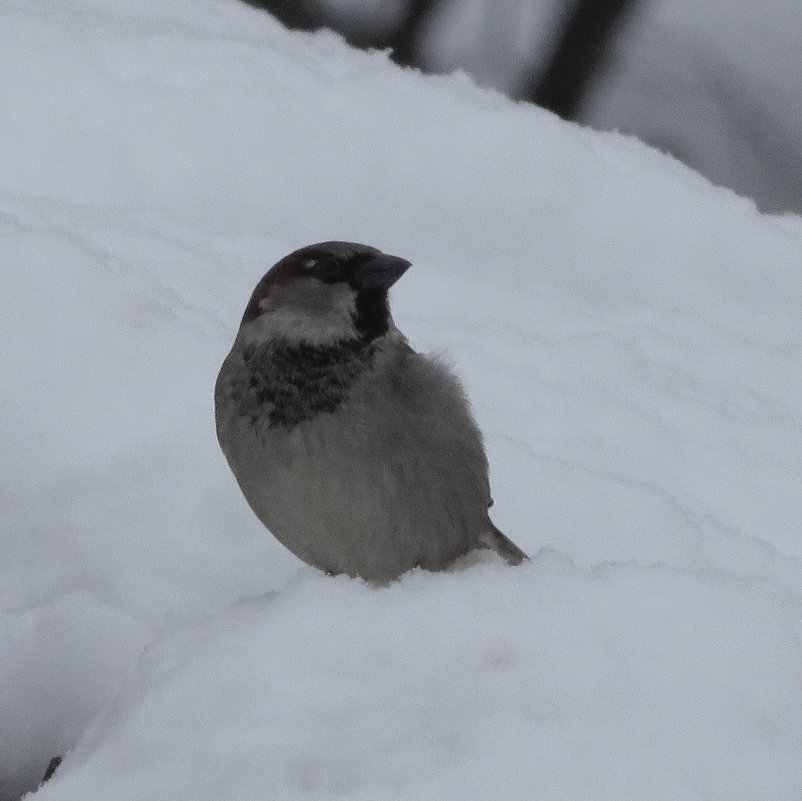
(280, 385)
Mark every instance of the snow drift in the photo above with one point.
(630, 337)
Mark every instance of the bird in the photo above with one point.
(359, 454)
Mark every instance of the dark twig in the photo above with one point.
(52, 766)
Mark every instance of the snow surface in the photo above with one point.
(629, 334)
(716, 83)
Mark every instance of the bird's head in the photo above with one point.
(324, 293)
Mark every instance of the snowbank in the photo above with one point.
(629, 335)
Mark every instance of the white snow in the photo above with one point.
(630, 337)
(716, 83)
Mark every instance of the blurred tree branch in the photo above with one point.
(403, 40)
(579, 55)
(406, 37)
(294, 14)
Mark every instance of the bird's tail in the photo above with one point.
(494, 540)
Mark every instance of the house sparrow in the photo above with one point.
(360, 455)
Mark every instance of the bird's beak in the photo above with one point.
(380, 272)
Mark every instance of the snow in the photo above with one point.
(630, 338)
(714, 83)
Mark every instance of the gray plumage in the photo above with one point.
(360, 455)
